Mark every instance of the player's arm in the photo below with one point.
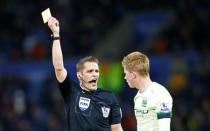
(164, 124)
(165, 113)
(57, 56)
(116, 127)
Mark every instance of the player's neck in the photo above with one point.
(144, 84)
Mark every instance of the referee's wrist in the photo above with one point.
(55, 37)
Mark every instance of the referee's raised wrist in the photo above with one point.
(55, 37)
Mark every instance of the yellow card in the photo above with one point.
(45, 15)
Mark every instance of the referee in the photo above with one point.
(88, 108)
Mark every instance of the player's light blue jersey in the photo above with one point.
(153, 104)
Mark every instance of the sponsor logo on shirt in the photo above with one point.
(141, 113)
(84, 103)
(144, 112)
(105, 111)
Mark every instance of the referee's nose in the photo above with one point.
(95, 73)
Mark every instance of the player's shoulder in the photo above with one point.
(161, 90)
(158, 87)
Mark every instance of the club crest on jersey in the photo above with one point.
(84, 103)
(105, 111)
(144, 102)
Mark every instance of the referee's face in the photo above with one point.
(89, 76)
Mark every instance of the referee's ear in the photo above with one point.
(79, 75)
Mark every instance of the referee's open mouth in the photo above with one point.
(93, 81)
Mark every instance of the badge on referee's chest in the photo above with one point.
(84, 103)
(105, 111)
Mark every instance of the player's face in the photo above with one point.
(129, 77)
(89, 76)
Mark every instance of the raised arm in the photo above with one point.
(57, 56)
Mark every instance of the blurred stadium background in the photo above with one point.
(175, 35)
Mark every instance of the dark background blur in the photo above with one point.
(174, 34)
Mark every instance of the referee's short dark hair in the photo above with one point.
(80, 64)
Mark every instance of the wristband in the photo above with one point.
(55, 37)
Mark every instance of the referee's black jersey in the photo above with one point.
(89, 111)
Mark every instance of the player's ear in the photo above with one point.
(133, 75)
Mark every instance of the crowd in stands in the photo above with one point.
(180, 59)
(83, 23)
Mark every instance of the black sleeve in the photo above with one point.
(116, 113)
(66, 88)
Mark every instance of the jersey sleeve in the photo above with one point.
(65, 88)
(116, 113)
(164, 106)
